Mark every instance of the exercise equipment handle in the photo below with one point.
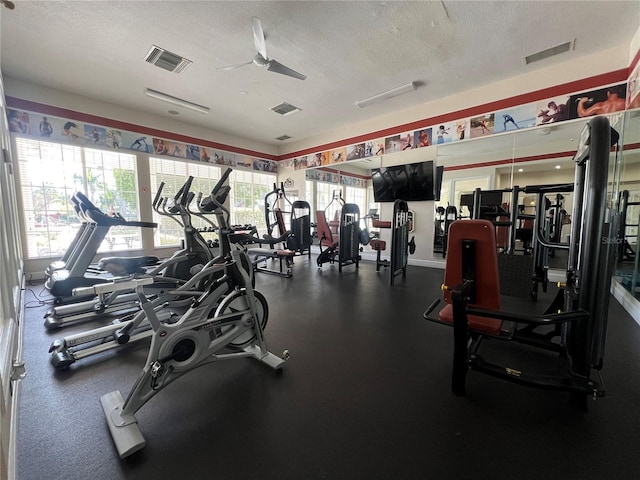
(432, 307)
(220, 183)
(552, 188)
(184, 192)
(156, 199)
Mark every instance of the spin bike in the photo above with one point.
(226, 322)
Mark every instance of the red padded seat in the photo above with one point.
(378, 245)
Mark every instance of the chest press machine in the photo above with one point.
(345, 246)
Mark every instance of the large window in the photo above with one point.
(309, 195)
(327, 195)
(50, 173)
(174, 173)
(248, 190)
(358, 196)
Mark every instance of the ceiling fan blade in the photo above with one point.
(237, 65)
(277, 67)
(258, 38)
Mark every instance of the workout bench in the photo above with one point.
(261, 255)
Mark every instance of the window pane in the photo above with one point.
(174, 174)
(248, 190)
(111, 185)
(51, 173)
(356, 195)
(324, 199)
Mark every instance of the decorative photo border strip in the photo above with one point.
(67, 130)
(604, 100)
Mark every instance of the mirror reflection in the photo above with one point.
(628, 176)
(507, 167)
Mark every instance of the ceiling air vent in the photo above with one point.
(285, 109)
(282, 138)
(166, 60)
(549, 52)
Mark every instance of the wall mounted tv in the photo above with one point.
(413, 182)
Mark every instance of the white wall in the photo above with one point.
(634, 46)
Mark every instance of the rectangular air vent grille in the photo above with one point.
(549, 52)
(285, 109)
(167, 60)
(282, 138)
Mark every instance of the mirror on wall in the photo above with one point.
(536, 156)
(628, 178)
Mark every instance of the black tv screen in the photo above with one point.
(411, 182)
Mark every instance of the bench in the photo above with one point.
(261, 255)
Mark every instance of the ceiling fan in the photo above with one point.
(261, 59)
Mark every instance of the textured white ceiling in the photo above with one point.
(348, 50)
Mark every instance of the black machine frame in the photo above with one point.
(299, 235)
(399, 240)
(582, 324)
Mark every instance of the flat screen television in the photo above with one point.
(413, 182)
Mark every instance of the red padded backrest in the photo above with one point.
(381, 223)
(324, 233)
(487, 279)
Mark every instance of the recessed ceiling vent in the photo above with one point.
(549, 52)
(166, 60)
(282, 138)
(285, 109)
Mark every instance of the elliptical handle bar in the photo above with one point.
(156, 199)
(223, 179)
(184, 192)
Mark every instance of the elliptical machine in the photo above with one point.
(234, 330)
(71, 348)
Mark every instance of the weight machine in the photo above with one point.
(345, 245)
(276, 206)
(577, 333)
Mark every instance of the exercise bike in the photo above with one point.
(226, 322)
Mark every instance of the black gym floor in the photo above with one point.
(364, 395)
